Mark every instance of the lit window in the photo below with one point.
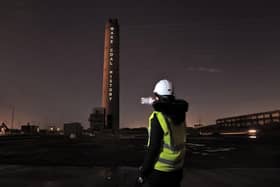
(110, 98)
(111, 72)
(110, 94)
(111, 49)
(111, 41)
(111, 54)
(261, 122)
(112, 28)
(267, 121)
(112, 33)
(275, 114)
(267, 115)
(112, 37)
(111, 63)
(110, 89)
(260, 116)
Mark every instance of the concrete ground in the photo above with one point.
(51, 161)
(46, 176)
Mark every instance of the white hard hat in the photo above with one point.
(164, 87)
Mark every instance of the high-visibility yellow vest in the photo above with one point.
(172, 152)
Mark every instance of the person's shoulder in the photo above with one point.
(181, 104)
(159, 106)
(181, 101)
(153, 115)
(175, 105)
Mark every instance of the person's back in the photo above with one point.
(163, 164)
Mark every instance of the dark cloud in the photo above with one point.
(204, 69)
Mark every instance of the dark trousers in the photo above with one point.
(162, 179)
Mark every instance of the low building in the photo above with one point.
(264, 123)
(97, 119)
(73, 129)
(250, 120)
(30, 129)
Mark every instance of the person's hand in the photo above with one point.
(140, 180)
(140, 177)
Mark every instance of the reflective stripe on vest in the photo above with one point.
(172, 153)
(170, 162)
(174, 148)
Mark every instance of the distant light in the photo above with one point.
(72, 136)
(252, 131)
(58, 129)
(252, 137)
(51, 129)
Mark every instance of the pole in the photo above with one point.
(13, 117)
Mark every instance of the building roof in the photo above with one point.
(246, 115)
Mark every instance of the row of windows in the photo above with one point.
(264, 116)
(248, 123)
(246, 120)
(277, 114)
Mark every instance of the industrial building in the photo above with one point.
(110, 89)
(97, 119)
(265, 123)
(73, 129)
(30, 129)
(250, 120)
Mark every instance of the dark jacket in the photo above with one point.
(176, 110)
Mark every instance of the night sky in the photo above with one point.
(223, 57)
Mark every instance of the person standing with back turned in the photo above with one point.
(164, 160)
